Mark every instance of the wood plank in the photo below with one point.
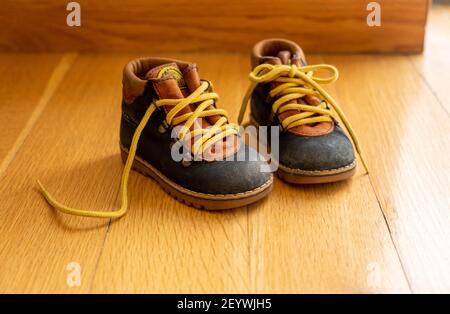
(165, 246)
(73, 150)
(234, 25)
(322, 239)
(434, 63)
(23, 79)
(404, 134)
(330, 238)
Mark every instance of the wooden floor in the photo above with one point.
(387, 231)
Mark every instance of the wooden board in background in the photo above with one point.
(434, 64)
(211, 25)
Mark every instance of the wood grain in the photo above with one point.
(301, 239)
(234, 25)
(324, 239)
(22, 80)
(404, 133)
(70, 151)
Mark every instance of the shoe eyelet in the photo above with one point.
(186, 163)
(210, 88)
(163, 127)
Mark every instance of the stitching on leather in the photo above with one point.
(199, 194)
(318, 172)
(129, 119)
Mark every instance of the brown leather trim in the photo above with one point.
(134, 72)
(319, 129)
(265, 49)
(167, 88)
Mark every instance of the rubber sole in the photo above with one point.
(196, 199)
(325, 177)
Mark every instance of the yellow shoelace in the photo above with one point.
(296, 82)
(217, 132)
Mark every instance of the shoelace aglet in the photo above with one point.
(43, 191)
(79, 212)
(47, 196)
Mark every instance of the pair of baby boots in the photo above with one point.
(172, 130)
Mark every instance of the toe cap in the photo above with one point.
(326, 152)
(242, 174)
